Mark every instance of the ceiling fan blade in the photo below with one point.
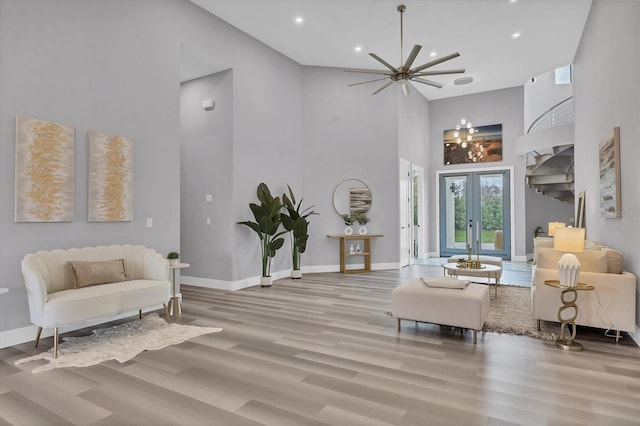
(369, 72)
(382, 88)
(428, 82)
(383, 62)
(370, 81)
(411, 58)
(435, 62)
(458, 71)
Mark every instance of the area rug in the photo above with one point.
(121, 342)
(511, 313)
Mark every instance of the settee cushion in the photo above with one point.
(94, 273)
(590, 260)
(615, 261)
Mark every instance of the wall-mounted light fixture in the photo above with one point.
(208, 105)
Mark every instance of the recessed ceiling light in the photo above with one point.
(299, 20)
(358, 49)
(462, 81)
(512, 1)
(515, 35)
(433, 53)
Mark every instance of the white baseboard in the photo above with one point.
(252, 281)
(21, 335)
(433, 254)
(519, 258)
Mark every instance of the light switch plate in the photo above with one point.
(208, 198)
(149, 222)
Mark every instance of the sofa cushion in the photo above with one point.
(590, 260)
(615, 261)
(94, 273)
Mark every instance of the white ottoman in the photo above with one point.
(467, 308)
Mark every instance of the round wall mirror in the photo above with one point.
(352, 197)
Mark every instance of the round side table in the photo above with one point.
(568, 298)
(175, 305)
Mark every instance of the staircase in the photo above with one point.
(550, 169)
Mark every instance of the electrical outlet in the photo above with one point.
(149, 222)
(208, 198)
(208, 221)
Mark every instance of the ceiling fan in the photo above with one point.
(404, 73)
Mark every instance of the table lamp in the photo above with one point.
(553, 226)
(570, 240)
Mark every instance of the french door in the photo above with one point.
(475, 211)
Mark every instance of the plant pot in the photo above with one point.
(362, 230)
(348, 230)
(296, 274)
(174, 262)
(266, 281)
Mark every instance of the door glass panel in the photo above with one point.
(491, 211)
(455, 212)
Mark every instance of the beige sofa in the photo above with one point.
(71, 288)
(611, 306)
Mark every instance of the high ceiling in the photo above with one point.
(480, 30)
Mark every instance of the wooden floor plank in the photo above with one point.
(324, 350)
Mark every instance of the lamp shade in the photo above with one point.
(569, 240)
(553, 226)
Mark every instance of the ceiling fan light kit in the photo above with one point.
(404, 73)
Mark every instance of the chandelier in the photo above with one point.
(476, 152)
(464, 133)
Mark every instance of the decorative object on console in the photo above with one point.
(174, 258)
(553, 226)
(110, 178)
(296, 223)
(44, 171)
(610, 194)
(362, 220)
(348, 221)
(570, 240)
(267, 221)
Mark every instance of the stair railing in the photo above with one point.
(558, 115)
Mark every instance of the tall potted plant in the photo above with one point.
(296, 223)
(267, 222)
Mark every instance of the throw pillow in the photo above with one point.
(94, 273)
(615, 261)
(444, 282)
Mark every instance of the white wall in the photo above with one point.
(206, 164)
(349, 134)
(606, 95)
(495, 107)
(94, 65)
(542, 94)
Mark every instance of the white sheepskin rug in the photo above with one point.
(121, 342)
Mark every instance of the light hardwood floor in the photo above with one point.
(323, 350)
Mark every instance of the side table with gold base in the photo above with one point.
(175, 305)
(568, 297)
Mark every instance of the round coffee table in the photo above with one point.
(489, 270)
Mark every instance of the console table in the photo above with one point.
(344, 252)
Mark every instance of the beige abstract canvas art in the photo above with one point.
(110, 178)
(44, 172)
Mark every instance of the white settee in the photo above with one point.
(612, 305)
(63, 291)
